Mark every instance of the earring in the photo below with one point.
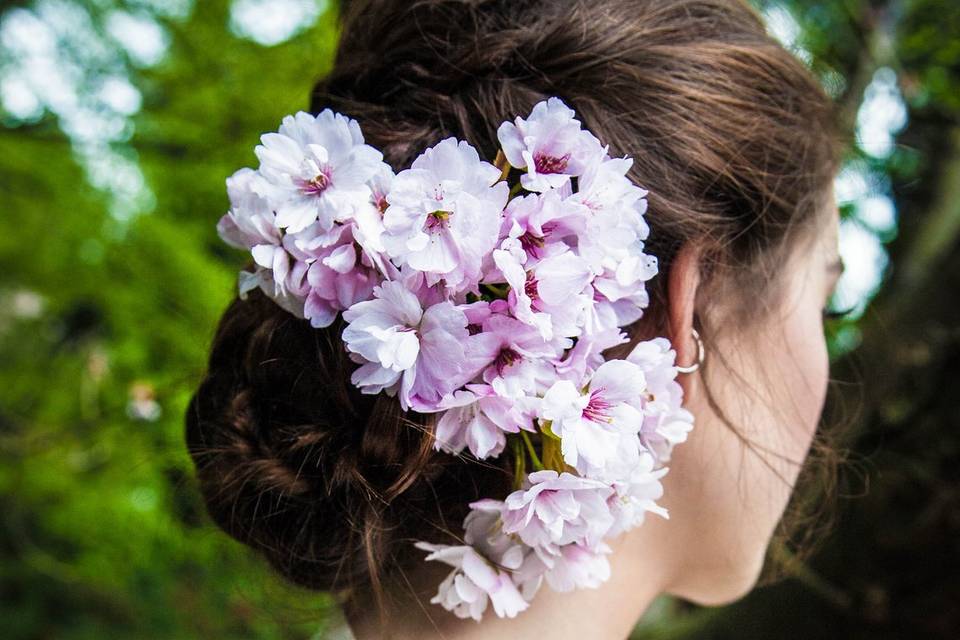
(700, 355)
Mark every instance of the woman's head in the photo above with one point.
(730, 135)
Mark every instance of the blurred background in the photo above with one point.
(121, 119)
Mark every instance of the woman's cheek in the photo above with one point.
(811, 369)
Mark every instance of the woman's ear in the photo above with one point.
(683, 281)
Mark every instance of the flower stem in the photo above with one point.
(533, 452)
(500, 162)
(499, 290)
(552, 456)
(546, 428)
(519, 464)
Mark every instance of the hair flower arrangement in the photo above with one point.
(485, 293)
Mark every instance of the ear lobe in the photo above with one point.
(683, 281)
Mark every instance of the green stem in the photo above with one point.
(519, 464)
(546, 428)
(501, 290)
(501, 163)
(533, 453)
(552, 456)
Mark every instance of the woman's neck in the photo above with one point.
(638, 574)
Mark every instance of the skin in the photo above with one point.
(725, 498)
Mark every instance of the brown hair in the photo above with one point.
(730, 134)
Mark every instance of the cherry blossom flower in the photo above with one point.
(586, 355)
(275, 259)
(552, 296)
(424, 354)
(279, 292)
(666, 423)
(483, 530)
(636, 494)
(483, 568)
(479, 419)
(250, 225)
(558, 509)
(655, 358)
(550, 145)
(340, 273)
(572, 566)
(473, 583)
(624, 306)
(612, 207)
(444, 214)
(539, 219)
(316, 169)
(592, 424)
(250, 221)
(522, 360)
(368, 217)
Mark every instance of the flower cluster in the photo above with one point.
(486, 293)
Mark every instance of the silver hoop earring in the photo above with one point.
(700, 355)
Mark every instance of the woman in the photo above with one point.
(732, 138)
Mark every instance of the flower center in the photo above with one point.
(379, 200)
(439, 219)
(530, 287)
(317, 185)
(531, 244)
(550, 164)
(597, 409)
(504, 359)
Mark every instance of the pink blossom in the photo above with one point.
(250, 220)
(368, 217)
(522, 360)
(444, 214)
(424, 354)
(598, 425)
(316, 169)
(552, 296)
(275, 259)
(549, 144)
(278, 291)
(572, 566)
(558, 509)
(494, 312)
(625, 307)
(620, 290)
(478, 419)
(666, 423)
(483, 568)
(655, 358)
(483, 530)
(250, 225)
(586, 355)
(612, 207)
(665, 427)
(340, 273)
(473, 583)
(636, 494)
(539, 219)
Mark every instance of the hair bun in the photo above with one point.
(293, 461)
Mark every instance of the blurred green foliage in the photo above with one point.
(112, 280)
(103, 533)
